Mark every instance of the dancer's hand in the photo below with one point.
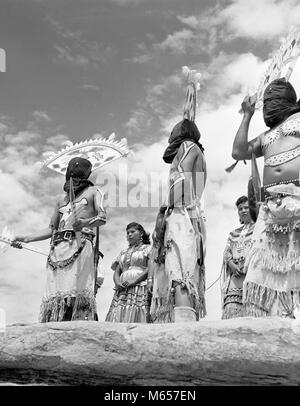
(248, 106)
(163, 209)
(127, 285)
(235, 269)
(17, 241)
(99, 282)
(119, 286)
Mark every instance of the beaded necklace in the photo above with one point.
(240, 247)
(130, 250)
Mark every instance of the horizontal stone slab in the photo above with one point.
(244, 351)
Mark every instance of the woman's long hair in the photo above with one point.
(145, 235)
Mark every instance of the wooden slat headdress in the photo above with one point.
(99, 152)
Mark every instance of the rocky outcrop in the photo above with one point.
(242, 351)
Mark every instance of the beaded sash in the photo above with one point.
(289, 127)
(283, 157)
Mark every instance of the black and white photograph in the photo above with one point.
(150, 194)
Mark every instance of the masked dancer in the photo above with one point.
(272, 283)
(72, 262)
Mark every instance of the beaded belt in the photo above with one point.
(282, 158)
(265, 195)
(68, 235)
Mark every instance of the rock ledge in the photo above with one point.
(245, 351)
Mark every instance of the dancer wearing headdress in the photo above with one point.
(72, 262)
(233, 271)
(272, 283)
(177, 269)
(176, 278)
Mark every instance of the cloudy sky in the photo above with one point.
(86, 68)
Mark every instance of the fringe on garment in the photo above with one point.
(56, 307)
(280, 259)
(251, 310)
(259, 300)
(233, 304)
(200, 306)
(162, 308)
(233, 310)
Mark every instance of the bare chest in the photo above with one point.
(84, 208)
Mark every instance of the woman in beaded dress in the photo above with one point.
(233, 272)
(130, 300)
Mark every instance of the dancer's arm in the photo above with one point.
(116, 278)
(140, 278)
(40, 235)
(242, 148)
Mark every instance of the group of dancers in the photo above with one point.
(165, 281)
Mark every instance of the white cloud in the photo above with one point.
(238, 71)
(88, 53)
(142, 58)
(91, 87)
(98, 53)
(261, 19)
(54, 141)
(3, 128)
(195, 39)
(139, 120)
(65, 53)
(191, 21)
(166, 84)
(233, 73)
(178, 42)
(79, 50)
(157, 103)
(41, 116)
(204, 34)
(64, 31)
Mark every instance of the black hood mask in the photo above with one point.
(79, 169)
(280, 102)
(185, 130)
